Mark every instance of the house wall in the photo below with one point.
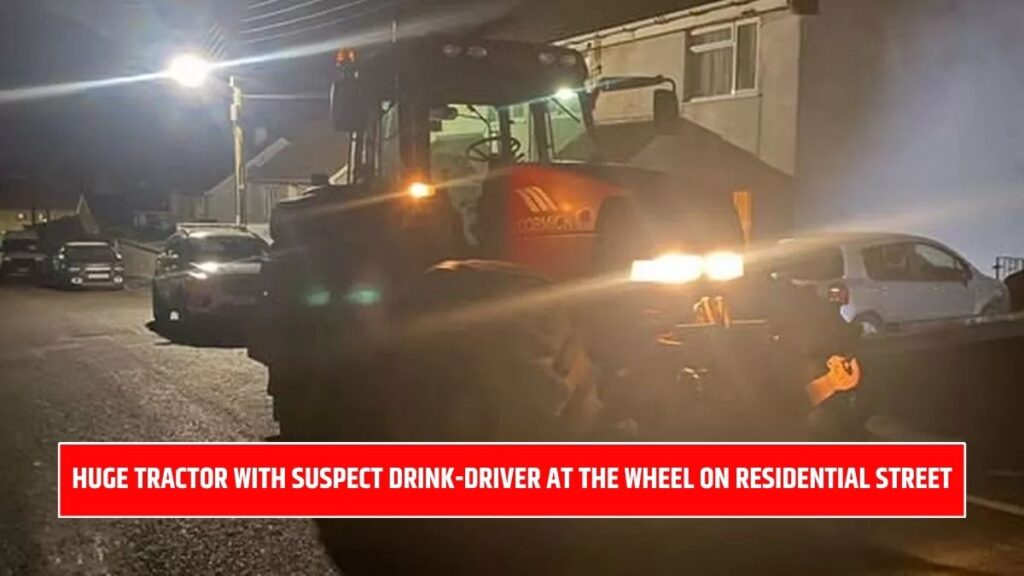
(763, 123)
(909, 120)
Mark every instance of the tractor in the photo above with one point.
(480, 275)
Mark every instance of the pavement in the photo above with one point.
(84, 366)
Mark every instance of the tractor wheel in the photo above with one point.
(485, 358)
(490, 358)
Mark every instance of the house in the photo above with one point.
(26, 202)
(887, 114)
(283, 169)
(218, 203)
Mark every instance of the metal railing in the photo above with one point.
(1006, 265)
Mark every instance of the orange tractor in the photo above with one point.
(480, 275)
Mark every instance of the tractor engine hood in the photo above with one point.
(603, 214)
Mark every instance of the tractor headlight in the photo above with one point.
(723, 266)
(668, 269)
(674, 268)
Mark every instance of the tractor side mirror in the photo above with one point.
(666, 111)
(345, 104)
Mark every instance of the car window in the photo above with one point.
(89, 252)
(889, 262)
(19, 245)
(934, 264)
(814, 264)
(225, 249)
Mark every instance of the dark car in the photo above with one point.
(20, 254)
(86, 264)
(207, 271)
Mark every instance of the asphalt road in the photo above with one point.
(83, 366)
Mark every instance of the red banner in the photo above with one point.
(512, 480)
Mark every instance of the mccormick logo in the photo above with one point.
(536, 199)
(546, 216)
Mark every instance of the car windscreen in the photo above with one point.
(89, 253)
(19, 245)
(226, 249)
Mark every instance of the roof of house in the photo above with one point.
(549, 20)
(317, 149)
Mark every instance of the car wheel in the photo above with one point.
(870, 324)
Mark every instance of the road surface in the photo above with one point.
(83, 366)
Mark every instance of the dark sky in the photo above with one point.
(119, 137)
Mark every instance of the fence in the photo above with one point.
(1006, 265)
(139, 259)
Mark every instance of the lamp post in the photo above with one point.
(239, 136)
(192, 71)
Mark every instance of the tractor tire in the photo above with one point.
(485, 358)
(488, 358)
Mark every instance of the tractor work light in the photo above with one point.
(565, 94)
(675, 268)
(420, 190)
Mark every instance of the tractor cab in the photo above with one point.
(501, 131)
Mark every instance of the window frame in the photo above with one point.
(909, 272)
(690, 49)
(959, 264)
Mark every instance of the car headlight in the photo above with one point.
(674, 268)
(208, 267)
(74, 268)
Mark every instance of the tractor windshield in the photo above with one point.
(467, 139)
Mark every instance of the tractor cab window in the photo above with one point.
(567, 136)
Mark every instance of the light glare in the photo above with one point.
(723, 266)
(668, 269)
(189, 70)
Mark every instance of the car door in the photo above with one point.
(896, 293)
(947, 278)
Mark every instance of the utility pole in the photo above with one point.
(239, 136)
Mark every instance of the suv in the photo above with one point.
(20, 253)
(885, 279)
(86, 263)
(207, 271)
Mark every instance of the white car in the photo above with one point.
(882, 279)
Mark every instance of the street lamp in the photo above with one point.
(192, 71)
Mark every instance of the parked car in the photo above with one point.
(207, 271)
(84, 264)
(21, 253)
(884, 279)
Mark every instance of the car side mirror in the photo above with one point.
(666, 111)
(345, 103)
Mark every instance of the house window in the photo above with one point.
(722, 60)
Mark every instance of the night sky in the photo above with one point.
(156, 135)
